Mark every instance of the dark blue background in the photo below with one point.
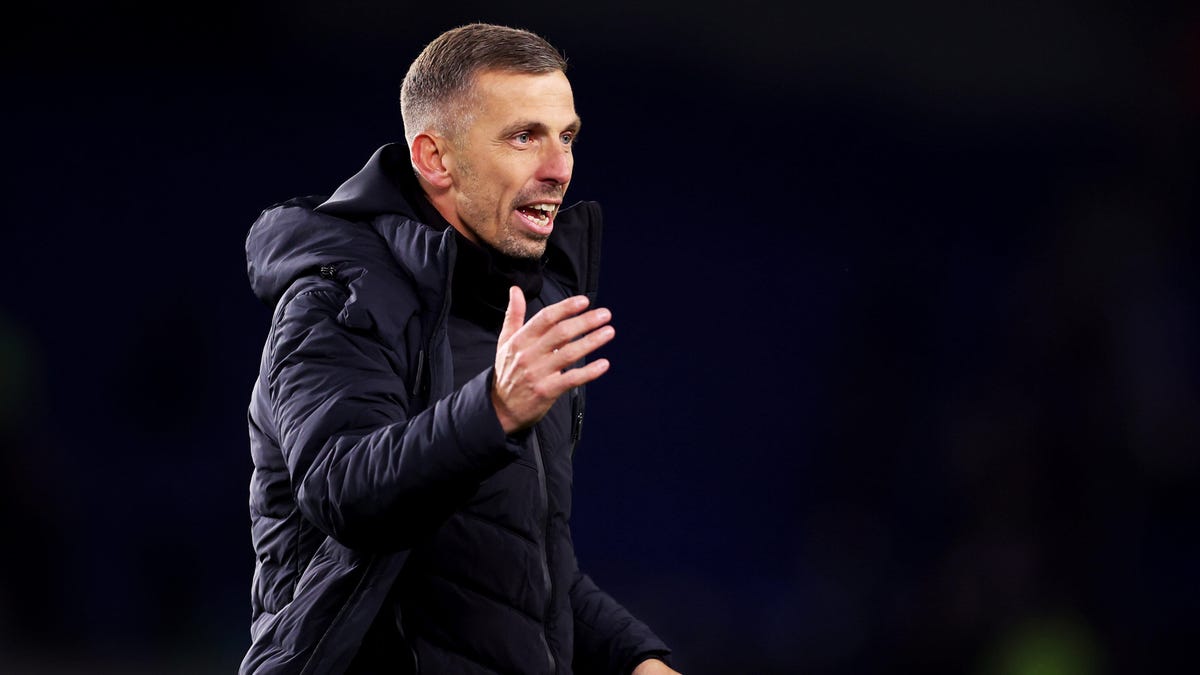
(905, 377)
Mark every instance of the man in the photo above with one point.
(420, 394)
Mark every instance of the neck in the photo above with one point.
(442, 202)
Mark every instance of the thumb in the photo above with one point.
(514, 316)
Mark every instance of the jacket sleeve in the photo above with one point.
(608, 639)
(363, 470)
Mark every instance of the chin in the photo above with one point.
(527, 248)
(530, 254)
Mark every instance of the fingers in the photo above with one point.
(551, 315)
(577, 349)
(569, 329)
(582, 375)
(562, 377)
(558, 325)
(514, 316)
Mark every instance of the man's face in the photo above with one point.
(510, 168)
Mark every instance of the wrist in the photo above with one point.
(508, 423)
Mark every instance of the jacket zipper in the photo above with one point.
(576, 417)
(545, 553)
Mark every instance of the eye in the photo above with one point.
(567, 138)
(523, 138)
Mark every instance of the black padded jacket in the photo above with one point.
(370, 467)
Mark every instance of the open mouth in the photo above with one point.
(539, 215)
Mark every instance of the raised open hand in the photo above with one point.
(532, 359)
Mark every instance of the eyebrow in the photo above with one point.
(539, 127)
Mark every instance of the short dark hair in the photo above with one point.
(441, 76)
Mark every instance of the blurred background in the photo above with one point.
(906, 376)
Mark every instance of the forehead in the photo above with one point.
(501, 96)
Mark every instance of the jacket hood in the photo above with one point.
(291, 240)
(298, 237)
(373, 190)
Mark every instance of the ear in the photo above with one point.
(430, 159)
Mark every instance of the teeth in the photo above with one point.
(541, 212)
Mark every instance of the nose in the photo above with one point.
(555, 164)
